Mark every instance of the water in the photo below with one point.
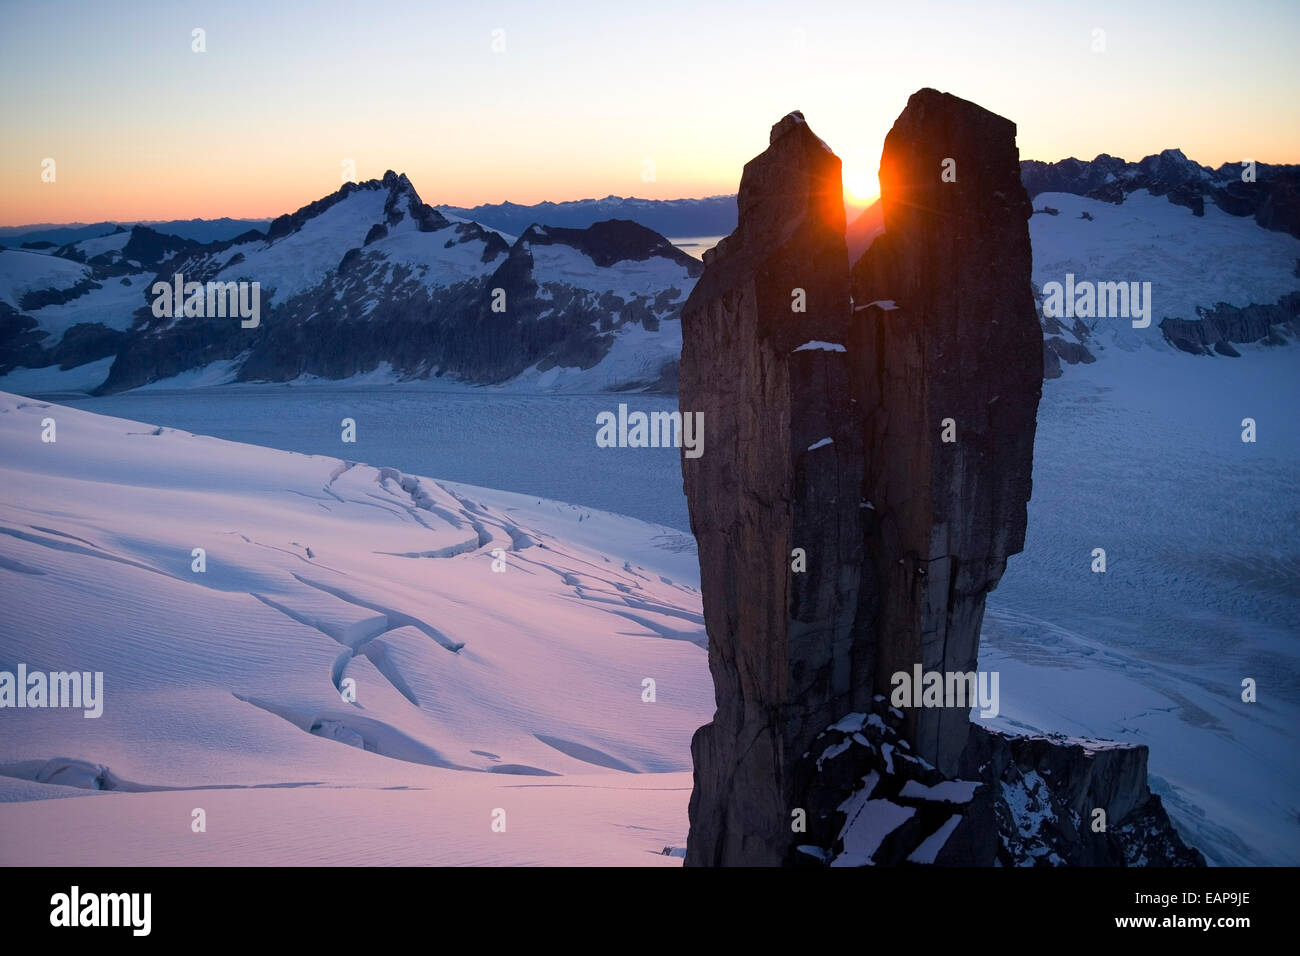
(542, 445)
(696, 245)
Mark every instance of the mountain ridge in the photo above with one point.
(687, 216)
(388, 282)
(367, 276)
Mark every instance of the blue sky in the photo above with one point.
(584, 93)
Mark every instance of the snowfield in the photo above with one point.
(521, 690)
(113, 304)
(1141, 455)
(627, 278)
(1189, 260)
(22, 272)
(475, 689)
(218, 679)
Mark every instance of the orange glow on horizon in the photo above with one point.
(574, 104)
(161, 194)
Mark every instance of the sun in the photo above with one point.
(860, 185)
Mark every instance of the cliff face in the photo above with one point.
(841, 539)
(951, 379)
(782, 471)
(865, 481)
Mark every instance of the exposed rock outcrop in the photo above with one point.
(866, 479)
(951, 380)
(1015, 801)
(782, 470)
(1224, 324)
(1270, 193)
(1062, 343)
(828, 435)
(421, 294)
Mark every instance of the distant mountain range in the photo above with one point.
(372, 281)
(1269, 193)
(45, 236)
(712, 216)
(1274, 195)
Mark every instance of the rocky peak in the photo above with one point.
(1270, 197)
(961, 348)
(151, 248)
(761, 332)
(393, 180)
(797, 159)
(1171, 167)
(865, 483)
(402, 198)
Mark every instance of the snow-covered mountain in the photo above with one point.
(1222, 255)
(370, 283)
(367, 278)
(1214, 274)
(1267, 192)
(51, 237)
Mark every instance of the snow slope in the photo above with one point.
(114, 304)
(1189, 260)
(51, 379)
(114, 242)
(472, 685)
(635, 355)
(298, 262)
(22, 272)
(627, 279)
(1141, 455)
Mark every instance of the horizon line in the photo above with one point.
(849, 200)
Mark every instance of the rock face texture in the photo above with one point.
(842, 539)
(865, 481)
(782, 471)
(951, 379)
(1016, 801)
(1213, 332)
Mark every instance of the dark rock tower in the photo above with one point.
(782, 470)
(959, 357)
(826, 447)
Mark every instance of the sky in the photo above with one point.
(485, 102)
